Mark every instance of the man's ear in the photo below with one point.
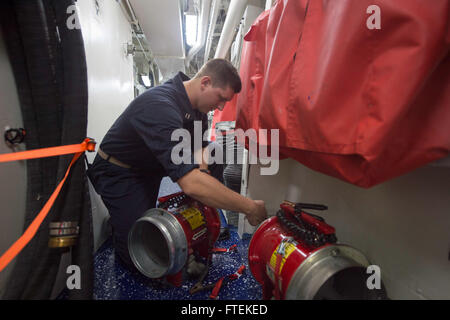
(205, 81)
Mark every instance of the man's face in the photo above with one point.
(212, 98)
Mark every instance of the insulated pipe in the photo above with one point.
(130, 8)
(212, 26)
(269, 4)
(235, 12)
(204, 18)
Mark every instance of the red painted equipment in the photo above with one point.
(295, 256)
(162, 241)
(358, 104)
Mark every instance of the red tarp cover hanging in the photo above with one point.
(362, 105)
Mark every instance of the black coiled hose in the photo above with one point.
(304, 231)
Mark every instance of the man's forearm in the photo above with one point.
(211, 192)
(201, 157)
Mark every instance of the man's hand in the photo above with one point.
(258, 213)
(211, 192)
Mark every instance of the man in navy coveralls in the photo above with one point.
(135, 154)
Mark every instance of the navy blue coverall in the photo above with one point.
(141, 138)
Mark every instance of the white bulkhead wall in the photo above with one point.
(401, 225)
(106, 32)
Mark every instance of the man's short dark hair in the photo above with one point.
(222, 73)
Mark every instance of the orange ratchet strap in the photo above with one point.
(87, 145)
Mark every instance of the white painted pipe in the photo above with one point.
(212, 26)
(203, 28)
(235, 12)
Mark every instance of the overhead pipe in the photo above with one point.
(204, 19)
(128, 11)
(212, 26)
(235, 12)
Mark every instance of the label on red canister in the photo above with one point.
(194, 217)
(280, 255)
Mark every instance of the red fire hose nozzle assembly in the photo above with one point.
(294, 255)
(167, 240)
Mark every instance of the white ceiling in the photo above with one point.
(161, 22)
(162, 25)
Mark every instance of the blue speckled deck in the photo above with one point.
(113, 281)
